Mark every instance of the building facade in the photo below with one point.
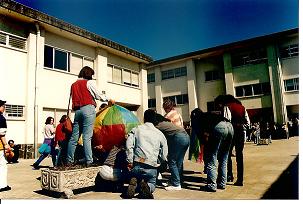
(41, 56)
(263, 73)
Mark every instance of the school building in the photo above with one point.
(263, 73)
(41, 56)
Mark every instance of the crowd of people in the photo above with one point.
(156, 146)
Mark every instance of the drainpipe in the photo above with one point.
(35, 94)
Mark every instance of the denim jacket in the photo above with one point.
(145, 143)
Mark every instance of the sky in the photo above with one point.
(167, 28)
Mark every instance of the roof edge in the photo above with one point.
(221, 47)
(42, 17)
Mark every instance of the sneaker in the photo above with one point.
(238, 183)
(7, 188)
(173, 188)
(131, 189)
(207, 189)
(144, 191)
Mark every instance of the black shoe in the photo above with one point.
(221, 187)
(144, 192)
(207, 189)
(238, 183)
(7, 188)
(131, 189)
(230, 178)
(35, 166)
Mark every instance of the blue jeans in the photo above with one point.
(219, 145)
(177, 146)
(146, 172)
(83, 124)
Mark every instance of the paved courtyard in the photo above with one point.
(267, 169)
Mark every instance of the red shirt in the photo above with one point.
(60, 134)
(81, 95)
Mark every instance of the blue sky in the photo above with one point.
(166, 28)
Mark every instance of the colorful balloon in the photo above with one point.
(111, 127)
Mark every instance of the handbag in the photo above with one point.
(44, 149)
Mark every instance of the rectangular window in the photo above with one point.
(291, 84)
(61, 60)
(13, 41)
(173, 73)
(120, 75)
(135, 79)
(76, 63)
(212, 75)
(151, 78)
(253, 89)
(14, 111)
(152, 103)
(127, 77)
(289, 51)
(117, 75)
(255, 56)
(56, 59)
(178, 99)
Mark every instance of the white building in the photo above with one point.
(263, 73)
(40, 57)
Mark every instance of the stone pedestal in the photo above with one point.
(68, 180)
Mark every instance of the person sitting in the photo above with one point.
(15, 149)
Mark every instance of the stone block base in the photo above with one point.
(68, 180)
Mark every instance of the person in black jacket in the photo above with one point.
(218, 132)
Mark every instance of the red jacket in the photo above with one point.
(81, 95)
(237, 113)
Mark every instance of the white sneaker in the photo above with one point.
(173, 188)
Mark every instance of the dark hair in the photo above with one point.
(226, 99)
(48, 120)
(10, 141)
(168, 104)
(86, 73)
(63, 118)
(150, 116)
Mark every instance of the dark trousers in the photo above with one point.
(238, 143)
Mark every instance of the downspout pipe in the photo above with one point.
(35, 94)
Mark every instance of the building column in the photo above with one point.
(191, 85)
(144, 91)
(276, 83)
(100, 67)
(229, 80)
(158, 90)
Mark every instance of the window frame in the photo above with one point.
(133, 82)
(15, 114)
(295, 84)
(7, 40)
(264, 89)
(174, 73)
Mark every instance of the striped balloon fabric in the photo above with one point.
(112, 125)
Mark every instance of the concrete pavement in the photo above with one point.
(264, 167)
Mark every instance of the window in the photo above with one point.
(289, 51)
(13, 41)
(255, 56)
(14, 111)
(291, 84)
(121, 75)
(212, 75)
(178, 99)
(151, 78)
(56, 59)
(152, 103)
(253, 89)
(173, 73)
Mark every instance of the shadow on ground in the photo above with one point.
(286, 187)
